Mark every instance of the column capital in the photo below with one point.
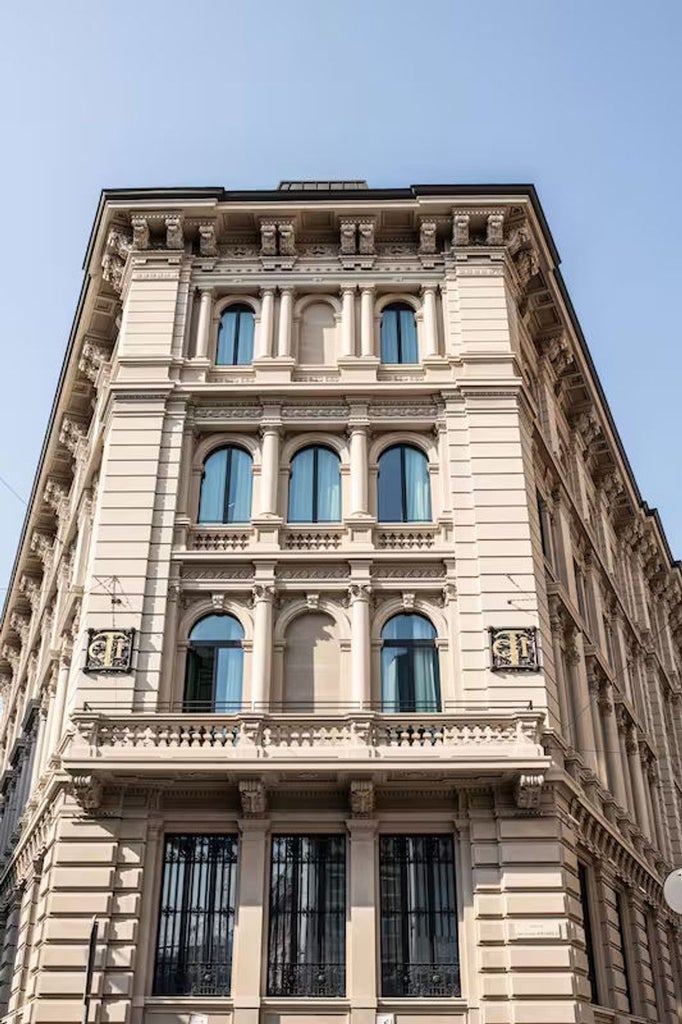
(287, 289)
(429, 287)
(207, 290)
(359, 592)
(263, 592)
(367, 289)
(267, 289)
(348, 287)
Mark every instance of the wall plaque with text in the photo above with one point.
(109, 650)
(514, 649)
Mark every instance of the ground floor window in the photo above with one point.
(307, 947)
(196, 919)
(419, 950)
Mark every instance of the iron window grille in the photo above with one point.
(307, 947)
(419, 947)
(196, 917)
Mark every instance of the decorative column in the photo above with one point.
(441, 432)
(264, 349)
(564, 709)
(59, 700)
(659, 835)
(261, 658)
(582, 708)
(358, 469)
(41, 730)
(613, 759)
(269, 470)
(430, 328)
(638, 784)
(367, 321)
(248, 935)
(362, 985)
(348, 320)
(204, 323)
(360, 644)
(286, 305)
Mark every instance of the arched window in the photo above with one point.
(403, 486)
(312, 665)
(226, 486)
(235, 336)
(398, 334)
(215, 662)
(315, 487)
(409, 665)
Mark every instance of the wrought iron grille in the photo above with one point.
(419, 950)
(307, 948)
(196, 919)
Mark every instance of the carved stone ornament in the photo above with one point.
(359, 592)
(495, 229)
(56, 495)
(253, 796)
(460, 229)
(94, 355)
(140, 232)
(287, 238)
(523, 254)
(116, 251)
(218, 601)
(87, 789)
(586, 424)
(174, 236)
(42, 545)
(268, 238)
(71, 434)
(427, 236)
(11, 656)
(20, 624)
(361, 798)
(408, 599)
(366, 228)
(514, 649)
(29, 586)
(208, 245)
(348, 233)
(312, 602)
(528, 791)
(557, 349)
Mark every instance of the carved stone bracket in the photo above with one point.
(140, 231)
(11, 656)
(427, 236)
(361, 798)
(56, 495)
(460, 229)
(366, 231)
(253, 796)
(495, 228)
(29, 586)
(208, 244)
(348, 232)
(523, 254)
(528, 790)
(88, 791)
(42, 545)
(72, 435)
(116, 251)
(94, 355)
(175, 238)
(20, 624)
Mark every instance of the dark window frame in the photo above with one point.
(181, 975)
(585, 905)
(400, 976)
(229, 448)
(287, 975)
(240, 308)
(410, 706)
(402, 448)
(315, 449)
(399, 307)
(198, 704)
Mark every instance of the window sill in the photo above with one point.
(434, 1004)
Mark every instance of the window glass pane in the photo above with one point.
(389, 336)
(419, 942)
(212, 499)
(217, 627)
(240, 485)
(328, 487)
(587, 928)
(227, 336)
(228, 679)
(196, 917)
(408, 627)
(244, 353)
(408, 336)
(306, 953)
(301, 487)
(390, 487)
(199, 679)
(417, 487)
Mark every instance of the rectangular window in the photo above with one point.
(419, 949)
(621, 915)
(580, 590)
(196, 918)
(587, 928)
(307, 948)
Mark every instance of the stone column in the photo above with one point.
(269, 476)
(367, 321)
(583, 711)
(359, 469)
(613, 756)
(562, 697)
(348, 320)
(429, 321)
(286, 305)
(441, 432)
(41, 730)
(659, 835)
(261, 658)
(637, 773)
(361, 959)
(264, 349)
(249, 941)
(204, 324)
(360, 644)
(59, 702)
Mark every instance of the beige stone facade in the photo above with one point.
(407, 434)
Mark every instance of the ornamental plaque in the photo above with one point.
(109, 650)
(514, 649)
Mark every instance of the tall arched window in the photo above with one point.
(398, 334)
(215, 663)
(315, 486)
(235, 336)
(409, 665)
(404, 490)
(226, 486)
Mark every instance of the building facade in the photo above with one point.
(341, 657)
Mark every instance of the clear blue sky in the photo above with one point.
(582, 98)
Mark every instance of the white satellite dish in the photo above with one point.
(672, 890)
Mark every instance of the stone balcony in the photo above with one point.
(329, 537)
(467, 743)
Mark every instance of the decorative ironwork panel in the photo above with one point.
(419, 948)
(109, 650)
(514, 649)
(196, 919)
(307, 948)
